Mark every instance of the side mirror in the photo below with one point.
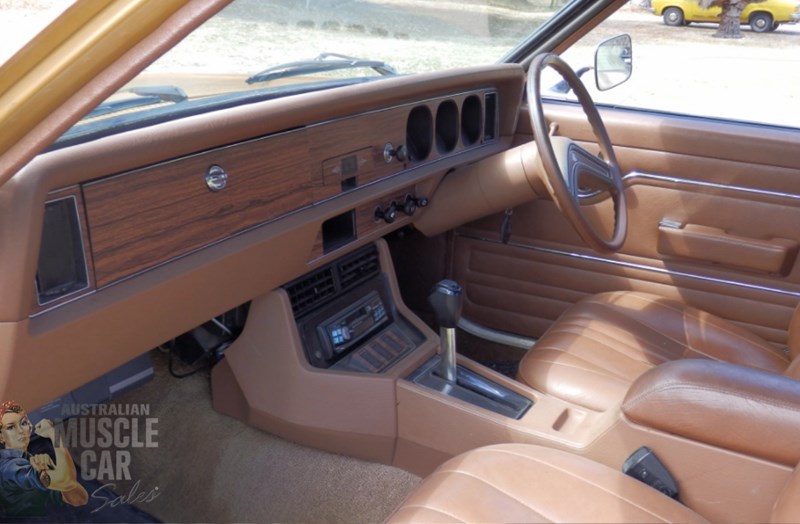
(613, 62)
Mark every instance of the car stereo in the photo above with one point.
(357, 322)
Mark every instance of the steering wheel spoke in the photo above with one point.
(574, 175)
(588, 173)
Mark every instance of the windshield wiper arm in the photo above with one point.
(322, 63)
(147, 95)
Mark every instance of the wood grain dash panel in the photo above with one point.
(361, 139)
(365, 215)
(146, 217)
(366, 223)
(362, 135)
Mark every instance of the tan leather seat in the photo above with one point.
(526, 483)
(594, 352)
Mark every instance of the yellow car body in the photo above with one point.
(761, 16)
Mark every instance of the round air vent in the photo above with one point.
(419, 133)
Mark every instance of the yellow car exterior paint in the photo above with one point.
(761, 16)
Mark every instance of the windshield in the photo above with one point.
(257, 49)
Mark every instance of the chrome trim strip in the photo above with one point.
(633, 265)
(586, 195)
(635, 175)
(498, 337)
(113, 389)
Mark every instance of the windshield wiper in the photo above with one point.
(147, 95)
(322, 63)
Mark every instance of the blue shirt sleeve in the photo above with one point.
(20, 472)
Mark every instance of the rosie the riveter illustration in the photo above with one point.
(33, 484)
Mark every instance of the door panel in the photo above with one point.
(714, 220)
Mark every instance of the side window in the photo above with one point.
(685, 69)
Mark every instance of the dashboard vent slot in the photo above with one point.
(311, 290)
(358, 268)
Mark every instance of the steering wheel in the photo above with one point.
(569, 169)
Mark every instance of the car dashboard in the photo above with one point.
(151, 232)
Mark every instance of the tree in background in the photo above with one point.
(729, 26)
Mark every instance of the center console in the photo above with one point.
(320, 357)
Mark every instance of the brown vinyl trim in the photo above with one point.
(634, 265)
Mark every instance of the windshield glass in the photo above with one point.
(258, 49)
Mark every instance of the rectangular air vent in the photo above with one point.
(355, 269)
(490, 117)
(315, 289)
(312, 290)
(61, 270)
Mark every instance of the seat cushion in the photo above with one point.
(526, 483)
(593, 353)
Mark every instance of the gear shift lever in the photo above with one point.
(462, 383)
(445, 298)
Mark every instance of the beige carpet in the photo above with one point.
(212, 468)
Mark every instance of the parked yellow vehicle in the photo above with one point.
(761, 16)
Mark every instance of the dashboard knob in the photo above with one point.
(388, 215)
(410, 205)
(401, 153)
(390, 152)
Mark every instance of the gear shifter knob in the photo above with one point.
(445, 298)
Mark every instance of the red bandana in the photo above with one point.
(7, 405)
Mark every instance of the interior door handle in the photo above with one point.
(714, 245)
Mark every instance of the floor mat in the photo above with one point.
(208, 467)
